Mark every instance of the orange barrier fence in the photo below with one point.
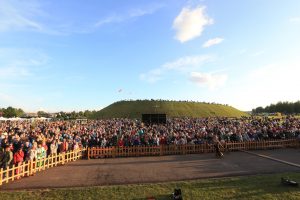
(135, 151)
(31, 167)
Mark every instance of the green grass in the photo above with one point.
(134, 109)
(258, 187)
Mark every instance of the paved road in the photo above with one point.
(157, 169)
(289, 155)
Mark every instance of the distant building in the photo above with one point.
(30, 115)
(52, 115)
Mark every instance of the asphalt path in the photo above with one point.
(135, 170)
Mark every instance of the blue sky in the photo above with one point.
(77, 55)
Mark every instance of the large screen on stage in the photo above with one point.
(154, 118)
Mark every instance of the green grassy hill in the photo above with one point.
(134, 109)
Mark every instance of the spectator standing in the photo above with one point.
(26, 149)
(45, 147)
(41, 153)
(64, 146)
(32, 157)
(18, 160)
(32, 154)
(53, 148)
(6, 159)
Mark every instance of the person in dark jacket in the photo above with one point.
(26, 147)
(6, 159)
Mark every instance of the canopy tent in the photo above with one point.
(3, 119)
(15, 119)
(12, 119)
(40, 119)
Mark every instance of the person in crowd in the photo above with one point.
(44, 145)
(61, 136)
(53, 148)
(40, 154)
(18, 160)
(76, 146)
(6, 158)
(32, 157)
(64, 146)
(121, 142)
(26, 148)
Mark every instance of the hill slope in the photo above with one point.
(134, 109)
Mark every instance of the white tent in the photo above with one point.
(40, 119)
(14, 119)
(3, 119)
(11, 119)
(43, 119)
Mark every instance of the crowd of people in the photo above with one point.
(24, 141)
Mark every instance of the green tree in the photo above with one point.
(12, 112)
(282, 107)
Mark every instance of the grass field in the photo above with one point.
(134, 109)
(257, 187)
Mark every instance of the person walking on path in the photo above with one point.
(217, 145)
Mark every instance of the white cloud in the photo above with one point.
(295, 20)
(212, 42)
(110, 19)
(131, 14)
(210, 80)
(16, 15)
(26, 16)
(187, 62)
(258, 53)
(14, 72)
(30, 15)
(152, 76)
(20, 63)
(5, 97)
(190, 23)
(183, 65)
(279, 75)
(265, 85)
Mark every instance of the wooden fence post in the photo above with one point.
(30, 167)
(88, 153)
(13, 172)
(63, 157)
(23, 169)
(7, 174)
(1, 176)
(161, 150)
(114, 152)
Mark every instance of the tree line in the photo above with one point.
(11, 112)
(87, 114)
(282, 107)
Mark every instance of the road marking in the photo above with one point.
(271, 158)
